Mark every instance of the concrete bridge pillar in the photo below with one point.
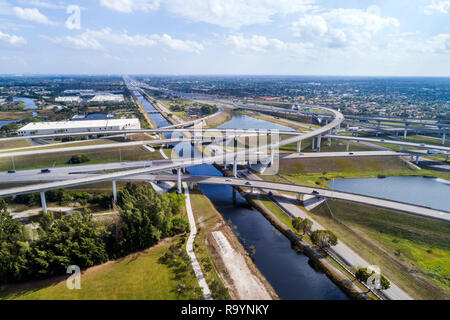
(235, 167)
(53, 140)
(347, 147)
(319, 142)
(348, 127)
(443, 138)
(272, 155)
(114, 190)
(299, 146)
(125, 137)
(251, 189)
(412, 158)
(417, 159)
(191, 186)
(299, 197)
(313, 144)
(329, 142)
(405, 134)
(179, 180)
(43, 202)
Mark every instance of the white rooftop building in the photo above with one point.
(38, 128)
(107, 98)
(68, 99)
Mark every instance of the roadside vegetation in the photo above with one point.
(145, 218)
(413, 251)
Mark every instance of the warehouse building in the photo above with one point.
(38, 128)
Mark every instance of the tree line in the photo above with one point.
(145, 217)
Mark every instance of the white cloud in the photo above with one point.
(440, 43)
(31, 14)
(80, 42)
(439, 6)
(128, 6)
(225, 13)
(342, 27)
(262, 44)
(95, 39)
(43, 4)
(180, 45)
(235, 13)
(255, 43)
(12, 40)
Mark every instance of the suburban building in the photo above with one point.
(38, 128)
(68, 99)
(107, 98)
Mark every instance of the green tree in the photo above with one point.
(296, 223)
(146, 217)
(74, 239)
(324, 238)
(363, 275)
(306, 226)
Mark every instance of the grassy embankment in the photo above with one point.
(320, 172)
(336, 146)
(15, 115)
(95, 156)
(221, 118)
(135, 277)
(413, 251)
(82, 143)
(14, 144)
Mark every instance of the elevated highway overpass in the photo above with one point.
(143, 174)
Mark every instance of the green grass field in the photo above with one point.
(428, 140)
(135, 277)
(14, 115)
(336, 146)
(310, 172)
(95, 156)
(413, 251)
(14, 144)
(20, 143)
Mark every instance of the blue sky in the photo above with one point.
(289, 37)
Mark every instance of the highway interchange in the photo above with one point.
(65, 177)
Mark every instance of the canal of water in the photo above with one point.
(423, 191)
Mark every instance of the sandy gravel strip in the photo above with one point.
(247, 285)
